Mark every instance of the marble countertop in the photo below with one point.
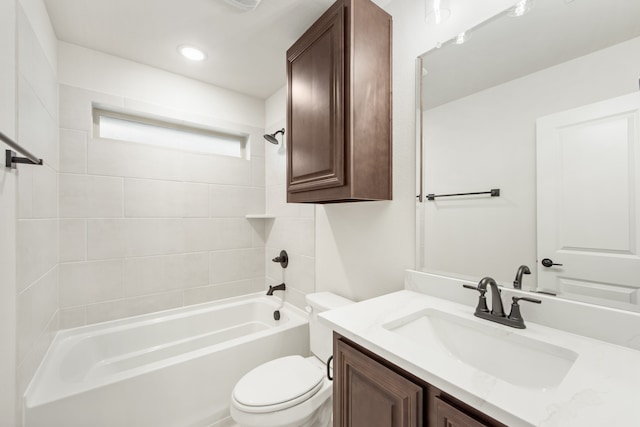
(602, 386)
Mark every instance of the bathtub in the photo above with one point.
(173, 368)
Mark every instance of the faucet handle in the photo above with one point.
(533, 300)
(482, 300)
(475, 288)
(515, 315)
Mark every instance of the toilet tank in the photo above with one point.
(321, 336)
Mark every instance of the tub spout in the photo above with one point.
(280, 287)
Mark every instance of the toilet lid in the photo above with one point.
(287, 379)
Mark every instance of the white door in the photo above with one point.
(589, 201)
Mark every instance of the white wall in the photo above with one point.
(293, 228)
(488, 140)
(28, 208)
(7, 218)
(37, 205)
(362, 249)
(146, 228)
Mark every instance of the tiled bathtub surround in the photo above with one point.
(145, 228)
(36, 201)
(293, 228)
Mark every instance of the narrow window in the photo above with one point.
(130, 128)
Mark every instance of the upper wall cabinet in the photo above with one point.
(339, 107)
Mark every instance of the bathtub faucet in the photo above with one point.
(280, 287)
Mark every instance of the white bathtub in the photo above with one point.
(174, 368)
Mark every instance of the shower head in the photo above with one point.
(271, 137)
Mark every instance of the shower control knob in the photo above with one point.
(283, 259)
(549, 263)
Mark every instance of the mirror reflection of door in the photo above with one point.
(589, 201)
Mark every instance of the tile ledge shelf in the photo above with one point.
(259, 216)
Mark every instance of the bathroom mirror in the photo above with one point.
(543, 106)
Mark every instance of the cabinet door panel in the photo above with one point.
(449, 416)
(315, 107)
(368, 394)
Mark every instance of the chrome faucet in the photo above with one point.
(496, 314)
(523, 269)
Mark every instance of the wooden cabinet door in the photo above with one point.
(315, 107)
(449, 416)
(368, 394)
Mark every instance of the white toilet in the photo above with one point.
(291, 391)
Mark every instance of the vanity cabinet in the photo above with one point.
(369, 391)
(338, 135)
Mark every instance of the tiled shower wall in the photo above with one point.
(293, 228)
(144, 228)
(37, 188)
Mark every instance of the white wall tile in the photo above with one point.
(290, 295)
(216, 169)
(293, 229)
(127, 159)
(45, 193)
(160, 225)
(114, 238)
(72, 317)
(296, 235)
(36, 248)
(257, 171)
(34, 65)
(38, 192)
(258, 232)
(232, 201)
(165, 199)
(223, 290)
(216, 234)
(230, 266)
(276, 202)
(73, 151)
(106, 73)
(90, 196)
(296, 298)
(256, 143)
(143, 276)
(119, 238)
(89, 282)
(75, 106)
(25, 193)
(300, 273)
(37, 251)
(276, 165)
(73, 240)
(28, 366)
(37, 129)
(36, 306)
(128, 307)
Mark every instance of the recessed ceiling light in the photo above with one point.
(192, 53)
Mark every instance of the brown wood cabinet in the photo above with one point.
(339, 107)
(369, 391)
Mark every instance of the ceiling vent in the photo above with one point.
(244, 5)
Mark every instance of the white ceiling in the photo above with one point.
(246, 50)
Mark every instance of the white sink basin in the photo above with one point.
(488, 347)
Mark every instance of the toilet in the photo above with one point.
(291, 391)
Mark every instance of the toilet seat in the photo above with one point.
(277, 385)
